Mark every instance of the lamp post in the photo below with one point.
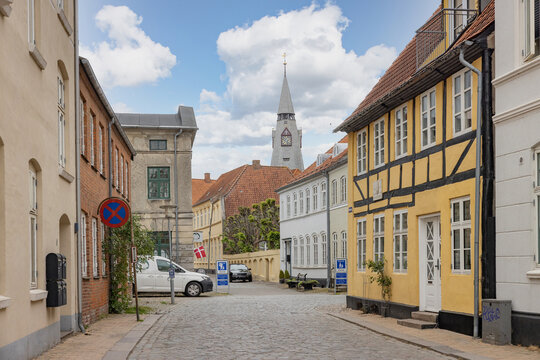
(171, 267)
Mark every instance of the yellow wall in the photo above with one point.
(214, 248)
(264, 264)
(456, 289)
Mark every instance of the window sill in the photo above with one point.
(463, 272)
(65, 175)
(5, 7)
(534, 274)
(36, 55)
(38, 295)
(85, 277)
(65, 22)
(4, 302)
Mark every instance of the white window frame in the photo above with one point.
(334, 247)
(301, 251)
(295, 250)
(82, 122)
(378, 143)
(400, 116)
(61, 122)
(103, 246)
(126, 189)
(33, 252)
(427, 127)
(461, 225)
(84, 260)
(315, 200)
(301, 202)
(529, 50)
(95, 259)
(308, 250)
(378, 237)
(100, 147)
(361, 242)
(333, 192)
(324, 249)
(361, 154)
(401, 241)
(295, 204)
(343, 188)
(323, 194)
(464, 15)
(315, 249)
(116, 165)
(92, 147)
(344, 244)
(308, 201)
(461, 94)
(122, 174)
(288, 206)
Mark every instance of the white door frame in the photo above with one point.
(422, 259)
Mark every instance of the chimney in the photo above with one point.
(256, 164)
(207, 178)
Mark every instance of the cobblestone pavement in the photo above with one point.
(262, 321)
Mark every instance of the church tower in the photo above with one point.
(286, 138)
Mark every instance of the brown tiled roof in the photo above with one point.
(247, 185)
(198, 188)
(403, 69)
(314, 169)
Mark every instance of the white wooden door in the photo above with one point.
(430, 263)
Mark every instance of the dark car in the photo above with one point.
(240, 272)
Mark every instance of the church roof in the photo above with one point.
(285, 101)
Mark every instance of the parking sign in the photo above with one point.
(222, 271)
(341, 272)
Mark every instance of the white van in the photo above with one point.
(154, 277)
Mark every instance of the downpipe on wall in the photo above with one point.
(477, 181)
(176, 195)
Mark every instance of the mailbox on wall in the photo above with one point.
(56, 285)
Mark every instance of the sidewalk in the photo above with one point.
(442, 341)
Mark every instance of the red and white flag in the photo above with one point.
(199, 252)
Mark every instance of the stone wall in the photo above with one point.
(264, 264)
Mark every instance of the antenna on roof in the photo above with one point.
(284, 64)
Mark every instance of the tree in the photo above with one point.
(119, 246)
(244, 231)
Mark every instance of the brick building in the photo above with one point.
(105, 170)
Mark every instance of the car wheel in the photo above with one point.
(193, 289)
(250, 279)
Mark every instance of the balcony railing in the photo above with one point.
(441, 30)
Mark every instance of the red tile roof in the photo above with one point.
(314, 169)
(404, 69)
(198, 188)
(247, 185)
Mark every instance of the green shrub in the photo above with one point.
(383, 280)
(281, 274)
(287, 275)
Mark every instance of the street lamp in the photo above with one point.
(171, 267)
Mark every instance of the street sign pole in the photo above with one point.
(222, 271)
(134, 269)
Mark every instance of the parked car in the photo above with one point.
(154, 277)
(240, 272)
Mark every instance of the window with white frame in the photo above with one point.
(126, 180)
(531, 29)
(308, 201)
(103, 247)
(92, 147)
(334, 192)
(378, 141)
(323, 194)
(100, 148)
(378, 238)
(343, 189)
(95, 259)
(33, 217)
(401, 131)
(324, 249)
(295, 204)
(122, 174)
(361, 238)
(82, 126)
(315, 200)
(116, 165)
(428, 118)
(462, 101)
(361, 154)
(315, 250)
(334, 247)
(288, 206)
(400, 241)
(459, 18)
(301, 201)
(84, 260)
(461, 234)
(302, 251)
(344, 244)
(295, 250)
(61, 122)
(308, 250)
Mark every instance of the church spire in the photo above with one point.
(285, 101)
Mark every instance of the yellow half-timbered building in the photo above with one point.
(412, 156)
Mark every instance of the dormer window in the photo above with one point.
(286, 138)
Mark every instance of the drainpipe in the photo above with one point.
(176, 195)
(477, 180)
(109, 230)
(78, 163)
(328, 244)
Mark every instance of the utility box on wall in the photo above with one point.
(56, 284)
(496, 321)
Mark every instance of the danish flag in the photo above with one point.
(199, 252)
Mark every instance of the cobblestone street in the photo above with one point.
(265, 321)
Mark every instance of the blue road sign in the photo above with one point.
(222, 266)
(223, 282)
(341, 281)
(171, 273)
(222, 277)
(341, 264)
(341, 275)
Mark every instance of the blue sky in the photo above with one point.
(223, 58)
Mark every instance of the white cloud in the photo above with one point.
(326, 81)
(121, 107)
(129, 57)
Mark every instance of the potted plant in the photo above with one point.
(383, 280)
(286, 275)
(281, 277)
(308, 284)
